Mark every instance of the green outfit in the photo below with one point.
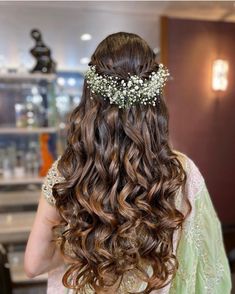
(203, 265)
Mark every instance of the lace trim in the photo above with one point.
(51, 178)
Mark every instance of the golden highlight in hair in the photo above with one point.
(121, 179)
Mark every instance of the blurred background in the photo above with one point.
(44, 51)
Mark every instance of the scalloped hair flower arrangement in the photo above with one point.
(125, 93)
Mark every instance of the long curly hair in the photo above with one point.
(117, 203)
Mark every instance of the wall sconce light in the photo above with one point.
(220, 75)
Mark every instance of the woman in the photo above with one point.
(120, 209)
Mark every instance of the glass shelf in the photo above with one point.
(18, 77)
(15, 131)
(21, 181)
(15, 198)
(15, 227)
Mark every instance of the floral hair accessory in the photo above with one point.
(125, 93)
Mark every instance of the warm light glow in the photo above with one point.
(84, 60)
(71, 82)
(61, 81)
(220, 75)
(86, 37)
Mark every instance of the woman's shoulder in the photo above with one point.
(187, 161)
(195, 180)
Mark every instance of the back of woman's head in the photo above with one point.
(123, 53)
(117, 202)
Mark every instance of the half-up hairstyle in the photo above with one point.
(117, 202)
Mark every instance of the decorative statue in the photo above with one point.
(42, 53)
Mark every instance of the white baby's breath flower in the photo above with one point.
(127, 93)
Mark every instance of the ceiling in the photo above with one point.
(62, 23)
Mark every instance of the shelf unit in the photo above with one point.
(21, 181)
(26, 76)
(18, 195)
(15, 227)
(13, 198)
(25, 131)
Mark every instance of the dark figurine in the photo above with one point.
(42, 53)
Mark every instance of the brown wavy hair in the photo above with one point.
(117, 202)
